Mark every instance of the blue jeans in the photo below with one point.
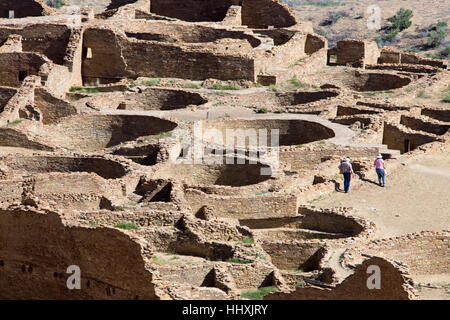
(381, 176)
(347, 178)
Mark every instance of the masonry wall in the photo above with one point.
(423, 253)
(116, 57)
(423, 125)
(395, 138)
(34, 263)
(48, 39)
(24, 8)
(295, 254)
(185, 32)
(261, 14)
(357, 53)
(94, 132)
(258, 14)
(5, 95)
(9, 137)
(15, 66)
(243, 207)
(394, 286)
(52, 108)
(304, 159)
(283, 55)
(191, 10)
(438, 114)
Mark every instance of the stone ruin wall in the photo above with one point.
(396, 284)
(395, 137)
(115, 57)
(95, 252)
(424, 253)
(242, 207)
(256, 14)
(25, 8)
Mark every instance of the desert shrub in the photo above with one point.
(56, 3)
(236, 260)
(15, 122)
(218, 86)
(333, 17)
(431, 56)
(422, 94)
(435, 37)
(390, 36)
(258, 294)
(127, 226)
(445, 53)
(378, 40)
(248, 240)
(446, 98)
(262, 110)
(152, 82)
(402, 19)
(193, 85)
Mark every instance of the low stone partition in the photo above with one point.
(438, 114)
(426, 252)
(243, 207)
(104, 167)
(304, 255)
(395, 284)
(304, 158)
(424, 124)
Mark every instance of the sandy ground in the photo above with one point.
(416, 198)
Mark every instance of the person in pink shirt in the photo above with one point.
(381, 171)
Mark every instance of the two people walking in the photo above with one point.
(347, 170)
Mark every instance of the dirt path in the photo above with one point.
(416, 198)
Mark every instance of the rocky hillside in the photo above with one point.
(336, 20)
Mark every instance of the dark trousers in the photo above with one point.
(347, 178)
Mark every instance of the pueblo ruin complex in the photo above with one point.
(102, 111)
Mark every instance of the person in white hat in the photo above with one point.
(381, 171)
(346, 169)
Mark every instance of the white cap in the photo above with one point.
(379, 156)
(347, 159)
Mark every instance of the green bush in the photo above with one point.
(402, 19)
(259, 293)
(431, 56)
(446, 98)
(193, 85)
(390, 36)
(152, 82)
(15, 122)
(76, 89)
(445, 53)
(236, 260)
(435, 38)
(84, 90)
(218, 86)
(262, 110)
(248, 240)
(127, 226)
